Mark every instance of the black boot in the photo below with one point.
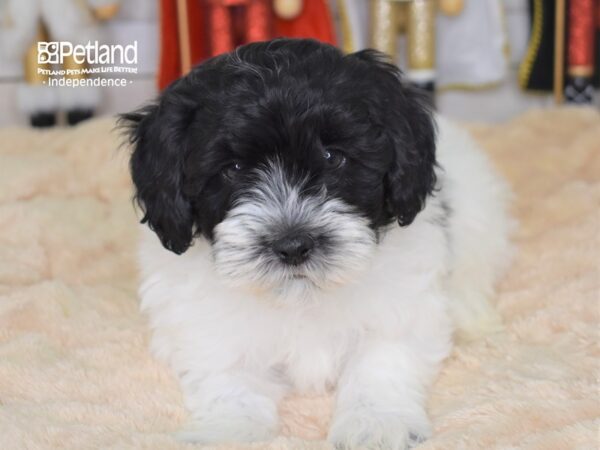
(74, 116)
(43, 119)
(579, 90)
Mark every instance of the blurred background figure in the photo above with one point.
(27, 22)
(193, 30)
(447, 43)
(483, 60)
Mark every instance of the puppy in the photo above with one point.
(309, 237)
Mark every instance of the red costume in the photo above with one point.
(218, 26)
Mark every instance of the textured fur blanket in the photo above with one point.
(75, 372)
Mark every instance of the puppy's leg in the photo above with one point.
(471, 292)
(481, 252)
(230, 407)
(382, 393)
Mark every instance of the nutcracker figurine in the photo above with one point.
(193, 30)
(417, 18)
(562, 53)
(449, 43)
(27, 22)
(580, 51)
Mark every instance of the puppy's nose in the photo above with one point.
(293, 249)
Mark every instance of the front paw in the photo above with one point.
(211, 430)
(371, 430)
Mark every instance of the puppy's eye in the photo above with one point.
(334, 159)
(231, 171)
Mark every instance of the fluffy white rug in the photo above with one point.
(74, 368)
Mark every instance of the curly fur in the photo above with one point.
(293, 137)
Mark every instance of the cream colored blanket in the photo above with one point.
(75, 372)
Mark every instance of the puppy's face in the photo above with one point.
(289, 157)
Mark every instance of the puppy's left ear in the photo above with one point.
(405, 117)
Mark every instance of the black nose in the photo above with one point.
(293, 249)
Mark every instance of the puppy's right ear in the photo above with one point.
(157, 135)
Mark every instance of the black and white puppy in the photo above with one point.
(307, 237)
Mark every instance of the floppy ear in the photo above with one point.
(156, 133)
(406, 119)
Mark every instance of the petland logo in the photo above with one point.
(80, 65)
(91, 53)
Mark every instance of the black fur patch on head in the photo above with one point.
(347, 123)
